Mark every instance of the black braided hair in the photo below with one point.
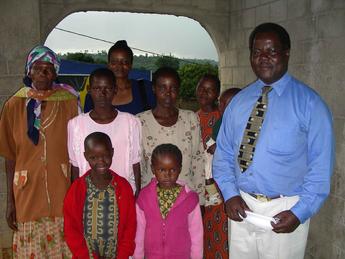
(211, 77)
(164, 149)
(121, 45)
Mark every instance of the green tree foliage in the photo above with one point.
(145, 62)
(79, 56)
(149, 62)
(167, 61)
(190, 75)
(101, 57)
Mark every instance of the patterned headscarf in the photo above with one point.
(42, 53)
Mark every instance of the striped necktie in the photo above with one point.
(252, 131)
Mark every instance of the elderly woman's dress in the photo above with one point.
(185, 134)
(42, 176)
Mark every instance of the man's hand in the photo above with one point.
(11, 216)
(235, 206)
(287, 222)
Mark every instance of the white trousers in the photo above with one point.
(250, 242)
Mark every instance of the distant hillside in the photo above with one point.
(149, 62)
(139, 62)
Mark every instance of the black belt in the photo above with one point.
(261, 197)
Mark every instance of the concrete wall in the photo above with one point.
(317, 29)
(19, 31)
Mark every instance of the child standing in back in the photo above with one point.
(207, 93)
(214, 219)
(99, 208)
(168, 212)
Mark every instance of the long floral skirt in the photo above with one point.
(215, 226)
(43, 238)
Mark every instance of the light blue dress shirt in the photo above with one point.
(294, 153)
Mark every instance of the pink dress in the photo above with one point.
(125, 134)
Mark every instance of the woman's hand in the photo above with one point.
(212, 149)
(11, 215)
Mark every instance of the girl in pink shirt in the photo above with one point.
(169, 223)
(123, 129)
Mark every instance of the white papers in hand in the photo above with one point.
(259, 220)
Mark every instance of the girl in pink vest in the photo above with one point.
(169, 223)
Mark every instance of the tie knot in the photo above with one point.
(266, 89)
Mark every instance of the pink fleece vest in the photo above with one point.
(167, 238)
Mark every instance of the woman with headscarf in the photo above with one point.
(33, 133)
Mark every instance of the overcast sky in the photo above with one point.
(164, 34)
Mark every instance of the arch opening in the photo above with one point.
(179, 36)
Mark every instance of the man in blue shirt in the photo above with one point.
(288, 177)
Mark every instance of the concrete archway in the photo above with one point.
(212, 26)
(48, 23)
(42, 16)
(148, 34)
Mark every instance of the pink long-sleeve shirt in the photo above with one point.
(125, 134)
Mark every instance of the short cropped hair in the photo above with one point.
(282, 34)
(230, 92)
(212, 77)
(103, 72)
(165, 71)
(165, 149)
(98, 137)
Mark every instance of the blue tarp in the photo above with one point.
(76, 68)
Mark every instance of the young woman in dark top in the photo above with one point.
(133, 96)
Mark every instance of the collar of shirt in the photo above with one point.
(278, 86)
